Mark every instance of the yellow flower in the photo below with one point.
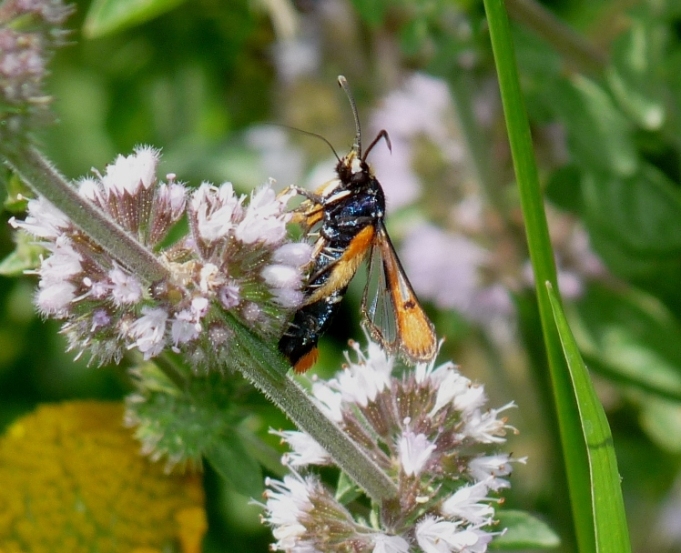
(72, 480)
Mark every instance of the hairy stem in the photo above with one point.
(45, 180)
(266, 369)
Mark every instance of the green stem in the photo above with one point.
(543, 265)
(266, 369)
(44, 179)
(568, 43)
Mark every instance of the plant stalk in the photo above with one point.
(44, 179)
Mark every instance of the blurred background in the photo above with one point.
(220, 86)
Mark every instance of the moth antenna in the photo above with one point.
(383, 134)
(357, 145)
(310, 134)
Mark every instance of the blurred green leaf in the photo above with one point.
(537, 62)
(523, 531)
(109, 16)
(631, 333)
(371, 11)
(564, 188)
(606, 505)
(598, 133)
(661, 419)
(642, 211)
(14, 265)
(26, 256)
(413, 35)
(346, 489)
(625, 262)
(632, 76)
(230, 460)
(18, 193)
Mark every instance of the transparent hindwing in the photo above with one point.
(392, 312)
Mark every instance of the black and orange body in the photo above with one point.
(347, 214)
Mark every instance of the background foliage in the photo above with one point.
(200, 79)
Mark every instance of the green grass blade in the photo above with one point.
(606, 504)
(541, 256)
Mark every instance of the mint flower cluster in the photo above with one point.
(29, 31)
(235, 261)
(429, 431)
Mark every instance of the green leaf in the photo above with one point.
(523, 531)
(371, 11)
(632, 76)
(564, 188)
(599, 135)
(625, 262)
(25, 256)
(661, 419)
(230, 460)
(605, 505)
(642, 211)
(110, 16)
(346, 489)
(413, 35)
(632, 335)
(14, 265)
(17, 193)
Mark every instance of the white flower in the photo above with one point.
(216, 210)
(295, 254)
(208, 271)
(148, 332)
(306, 450)
(436, 535)
(98, 290)
(415, 450)
(64, 263)
(470, 398)
(43, 219)
(361, 382)
(287, 298)
(288, 502)
(125, 288)
(384, 543)
(265, 219)
(100, 318)
(423, 449)
(199, 307)
(329, 402)
(229, 295)
(210, 277)
(282, 276)
(129, 174)
(485, 427)
(175, 197)
(452, 385)
(90, 188)
(54, 298)
(467, 503)
(491, 467)
(184, 328)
